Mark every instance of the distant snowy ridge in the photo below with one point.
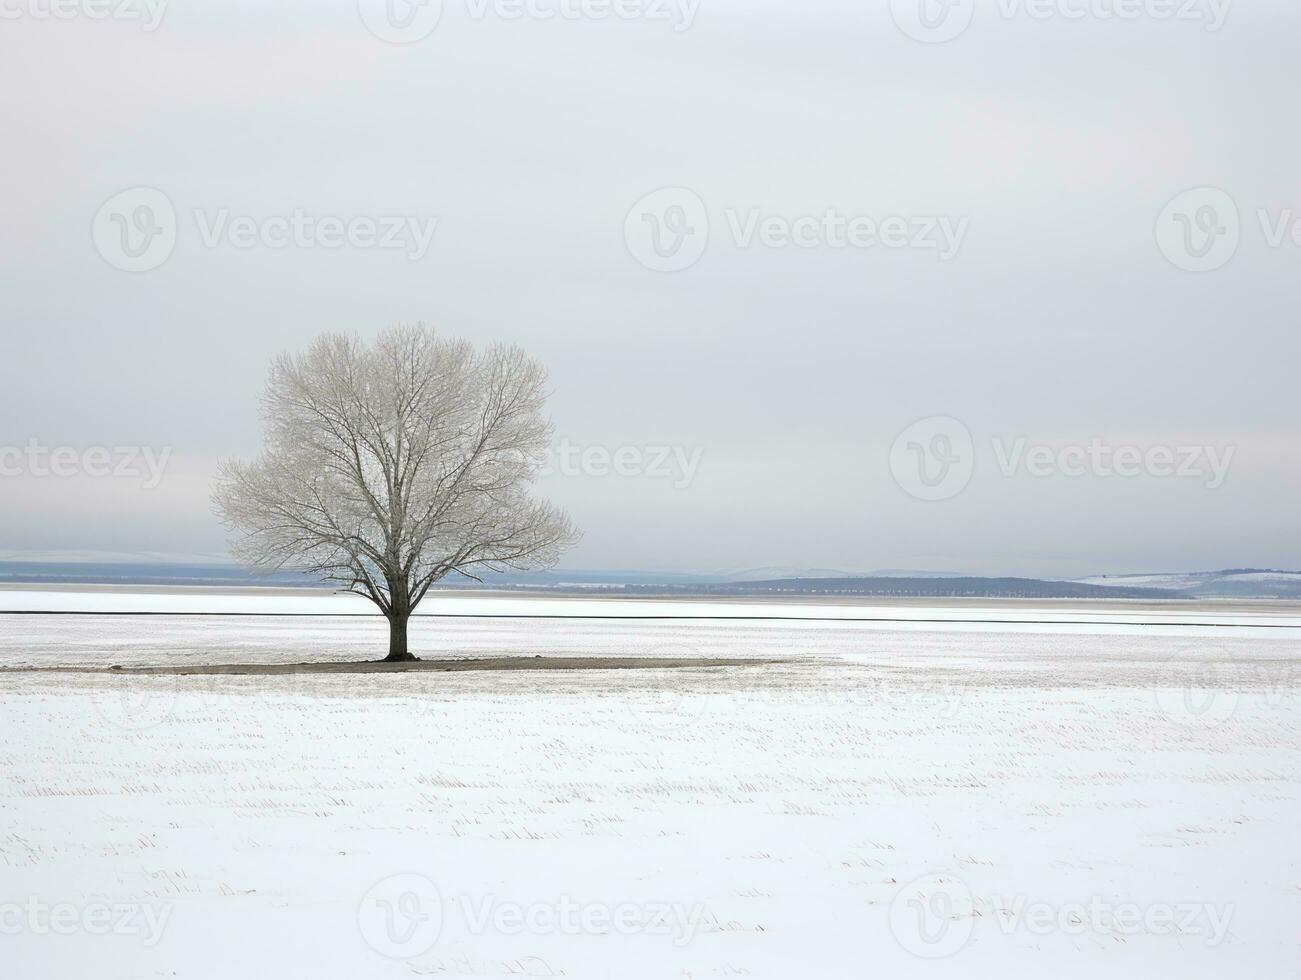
(1233, 583)
(123, 569)
(773, 573)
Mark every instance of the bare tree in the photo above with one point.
(388, 467)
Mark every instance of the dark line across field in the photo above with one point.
(441, 666)
(666, 618)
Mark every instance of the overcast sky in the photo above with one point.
(1036, 289)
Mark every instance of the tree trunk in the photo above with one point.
(397, 639)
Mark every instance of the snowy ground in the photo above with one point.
(924, 801)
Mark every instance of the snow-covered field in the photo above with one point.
(921, 800)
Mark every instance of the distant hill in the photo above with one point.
(196, 574)
(954, 587)
(777, 573)
(1232, 583)
(1241, 583)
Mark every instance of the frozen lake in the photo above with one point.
(1067, 795)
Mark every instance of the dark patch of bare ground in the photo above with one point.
(445, 666)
